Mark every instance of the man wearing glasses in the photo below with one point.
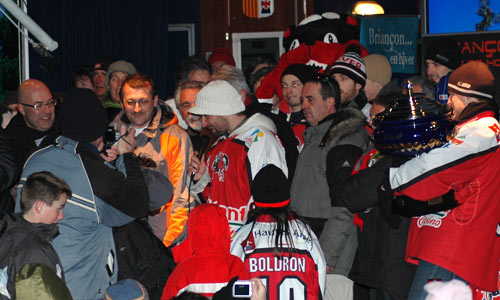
(333, 143)
(161, 145)
(33, 127)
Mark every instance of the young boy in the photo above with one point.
(25, 238)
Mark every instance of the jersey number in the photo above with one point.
(289, 288)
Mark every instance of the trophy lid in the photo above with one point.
(414, 106)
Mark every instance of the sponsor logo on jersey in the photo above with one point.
(254, 137)
(432, 220)
(248, 244)
(220, 165)
(235, 216)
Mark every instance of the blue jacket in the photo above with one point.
(103, 197)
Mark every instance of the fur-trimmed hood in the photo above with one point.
(347, 122)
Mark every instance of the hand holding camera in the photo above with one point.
(126, 141)
(253, 289)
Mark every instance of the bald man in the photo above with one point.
(33, 127)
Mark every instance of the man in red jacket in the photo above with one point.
(464, 242)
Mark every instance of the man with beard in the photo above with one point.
(246, 144)
(350, 73)
(33, 127)
(237, 80)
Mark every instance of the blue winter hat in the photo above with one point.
(126, 289)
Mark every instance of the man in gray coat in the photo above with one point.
(332, 145)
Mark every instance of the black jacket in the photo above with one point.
(128, 193)
(380, 257)
(22, 139)
(8, 174)
(22, 242)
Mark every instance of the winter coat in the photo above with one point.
(103, 197)
(234, 160)
(380, 257)
(330, 151)
(210, 266)
(464, 240)
(21, 243)
(166, 148)
(8, 174)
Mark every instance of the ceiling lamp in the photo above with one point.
(367, 8)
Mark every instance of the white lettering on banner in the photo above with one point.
(377, 38)
(396, 55)
(275, 264)
(401, 59)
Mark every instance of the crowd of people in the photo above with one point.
(228, 191)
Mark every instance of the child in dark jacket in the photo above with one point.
(25, 238)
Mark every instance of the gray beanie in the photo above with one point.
(120, 66)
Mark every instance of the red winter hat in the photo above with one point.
(222, 54)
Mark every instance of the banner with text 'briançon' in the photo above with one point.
(393, 36)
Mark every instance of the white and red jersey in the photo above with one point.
(234, 161)
(463, 240)
(299, 273)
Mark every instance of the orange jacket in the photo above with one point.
(168, 147)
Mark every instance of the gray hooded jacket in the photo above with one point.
(330, 151)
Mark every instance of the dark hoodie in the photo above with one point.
(21, 243)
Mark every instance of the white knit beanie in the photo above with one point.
(218, 98)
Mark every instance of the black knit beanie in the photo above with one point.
(270, 187)
(82, 116)
(473, 79)
(301, 71)
(445, 52)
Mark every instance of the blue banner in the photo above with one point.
(394, 37)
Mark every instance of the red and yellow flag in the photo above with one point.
(258, 8)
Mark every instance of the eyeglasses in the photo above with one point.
(142, 102)
(37, 106)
